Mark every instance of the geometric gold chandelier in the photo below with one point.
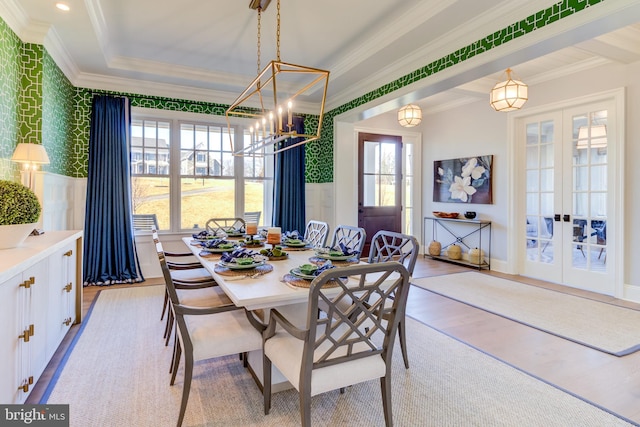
(509, 95)
(270, 100)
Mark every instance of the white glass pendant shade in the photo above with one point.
(509, 95)
(410, 115)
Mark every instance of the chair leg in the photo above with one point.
(188, 372)
(385, 386)
(305, 408)
(176, 362)
(403, 343)
(266, 383)
(165, 304)
(169, 327)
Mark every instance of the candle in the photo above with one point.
(279, 119)
(274, 235)
(251, 132)
(257, 130)
(271, 122)
(289, 105)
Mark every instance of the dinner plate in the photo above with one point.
(301, 244)
(234, 233)
(219, 250)
(334, 257)
(296, 272)
(234, 266)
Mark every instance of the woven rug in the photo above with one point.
(599, 325)
(117, 374)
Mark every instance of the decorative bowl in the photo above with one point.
(470, 215)
(446, 214)
(308, 269)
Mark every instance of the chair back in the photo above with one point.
(166, 273)
(393, 246)
(352, 237)
(316, 233)
(220, 225)
(359, 329)
(252, 217)
(145, 222)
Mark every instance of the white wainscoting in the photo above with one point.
(319, 203)
(62, 199)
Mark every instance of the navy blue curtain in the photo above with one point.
(289, 180)
(109, 249)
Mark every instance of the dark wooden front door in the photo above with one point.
(379, 184)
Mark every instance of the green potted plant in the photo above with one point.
(19, 213)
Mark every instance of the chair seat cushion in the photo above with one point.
(203, 297)
(221, 334)
(191, 274)
(285, 352)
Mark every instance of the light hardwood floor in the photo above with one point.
(609, 381)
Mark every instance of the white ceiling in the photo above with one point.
(206, 50)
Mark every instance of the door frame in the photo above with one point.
(516, 228)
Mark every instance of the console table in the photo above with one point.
(468, 233)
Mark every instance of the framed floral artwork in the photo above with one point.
(463, 180)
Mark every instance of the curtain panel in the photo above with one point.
(109, 248)
(289, 183)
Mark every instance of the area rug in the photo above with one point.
(599, 325)
(117, 375)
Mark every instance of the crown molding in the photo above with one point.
(61, 57)
(13, 14)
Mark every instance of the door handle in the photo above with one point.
(566, 218)
(360, 211)
(556, 217)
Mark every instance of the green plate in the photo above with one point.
(334, 257)
(234, 266)
(219, 250)
(296, 272)
(300, 244)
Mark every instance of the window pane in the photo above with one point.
(150, 195)
(205, 198)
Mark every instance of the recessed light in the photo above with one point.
(63, 6)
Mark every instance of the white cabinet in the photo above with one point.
(39, 299)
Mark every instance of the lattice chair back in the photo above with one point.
(252, 217)
(223, 225)
(316, 233)
(351, 237)
(145, 222)
(393, 246)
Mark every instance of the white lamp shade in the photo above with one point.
(509, 95)
(410, 115)
(594, 136)
(30, 153)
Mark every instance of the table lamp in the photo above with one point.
(31, 156)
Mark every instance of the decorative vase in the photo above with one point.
(476, 256)
(435, 248)
(454, 252)
(12, 236)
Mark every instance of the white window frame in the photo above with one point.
(240, 126)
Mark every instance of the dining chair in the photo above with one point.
(351, 237)
(403, 248)
(252, 217)
(206, 333)
(197, 284)
(145, 222)
(332, 352)
(316, 233)
(219, 225)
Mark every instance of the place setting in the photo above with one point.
(340, 256)
(303, 275)
(242, 263)
(292, 240)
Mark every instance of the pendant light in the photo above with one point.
(509, 95)
(409, 116)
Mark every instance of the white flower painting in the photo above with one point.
(463, 180)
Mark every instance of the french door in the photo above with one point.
(566, 190)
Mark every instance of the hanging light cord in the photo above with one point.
(278, 34)
(259, 27)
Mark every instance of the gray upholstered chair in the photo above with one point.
(352, 237)
(206, 333)
(333, 351)
(316, 233)
(403, 248)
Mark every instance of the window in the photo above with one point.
(183, 170)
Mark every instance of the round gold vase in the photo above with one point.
(476, 256)
(435, 248)
(454, 252)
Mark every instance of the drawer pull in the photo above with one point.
(68, 253)
(25, 335)
(67, 321)
(68, 287)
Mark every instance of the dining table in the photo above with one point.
(266, 287)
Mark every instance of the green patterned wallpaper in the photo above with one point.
(66, 140)
(10, 63)
(58, 108)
